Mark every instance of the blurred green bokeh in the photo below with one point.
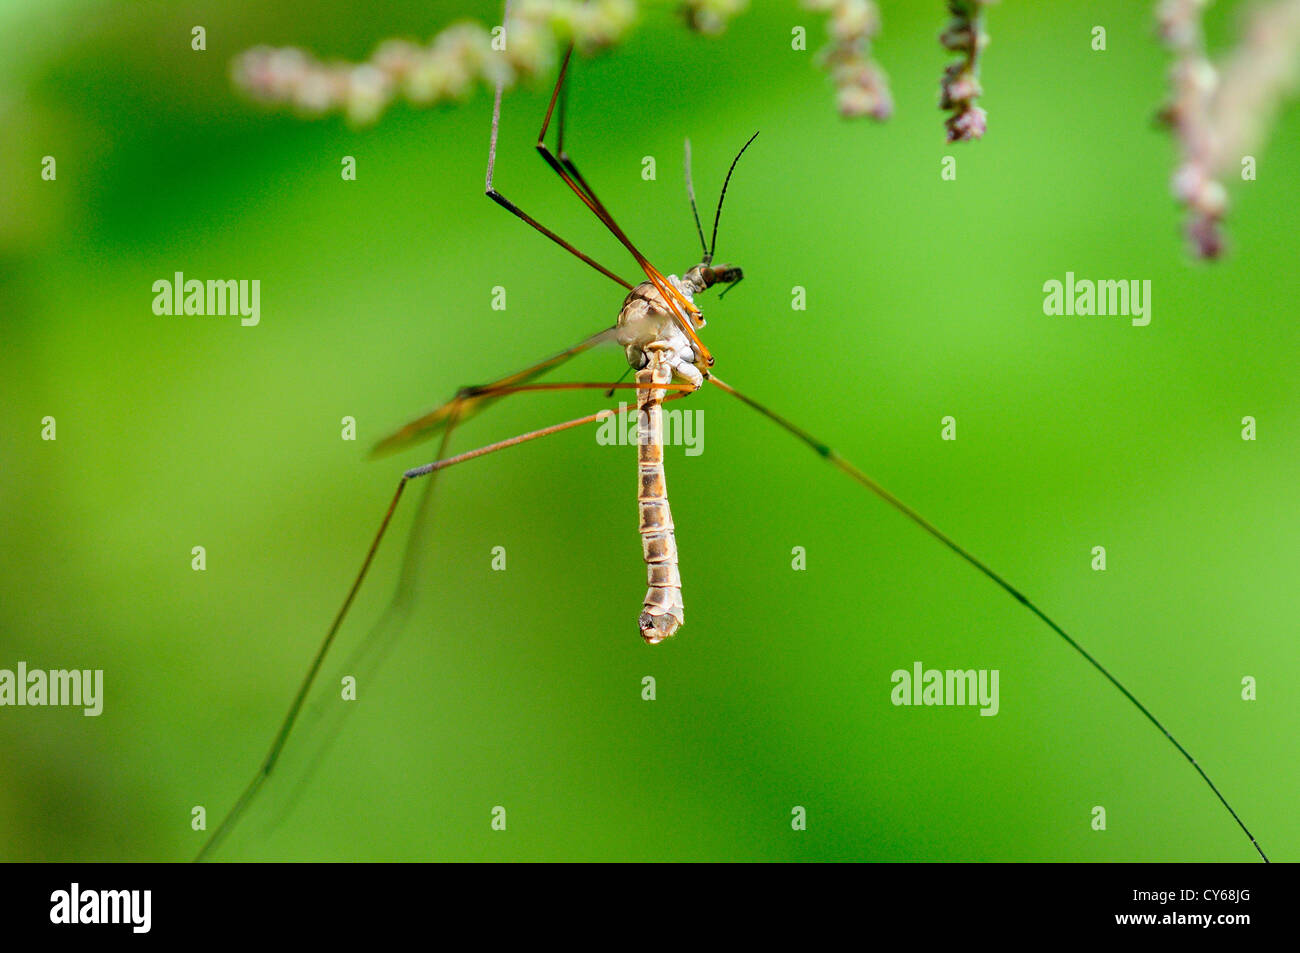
(523, 688)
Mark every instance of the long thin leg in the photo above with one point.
(469, 401)
(513, 209)
(295, 708)
(824, 451)
(427, 425)
(683, 310)
(562, 169)
(472, 396)
(282, 736)
(560, 153)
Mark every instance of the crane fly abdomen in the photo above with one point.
(663, 612)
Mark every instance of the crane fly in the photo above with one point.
(658, 327)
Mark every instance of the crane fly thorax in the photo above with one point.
(647, 323)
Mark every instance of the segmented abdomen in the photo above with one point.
(663, 611)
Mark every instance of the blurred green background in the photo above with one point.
(523, 688)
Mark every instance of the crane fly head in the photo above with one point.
(704, 276)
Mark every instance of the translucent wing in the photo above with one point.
(466, 404)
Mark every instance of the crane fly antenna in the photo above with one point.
(717, 215)
(690, 194)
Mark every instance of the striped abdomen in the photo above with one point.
(663, 612)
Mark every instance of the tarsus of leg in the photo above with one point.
(824, 451)
(286, 727)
